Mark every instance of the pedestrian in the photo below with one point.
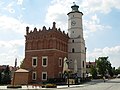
(104, 78)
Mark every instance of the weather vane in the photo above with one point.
(74, 3)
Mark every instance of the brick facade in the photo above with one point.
(45, 43)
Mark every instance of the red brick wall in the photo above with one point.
(52, 43)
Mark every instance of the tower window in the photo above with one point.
(73, 50)
(73, 41)
(83, 64)
(73, 15)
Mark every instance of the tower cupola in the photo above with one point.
(75, 7)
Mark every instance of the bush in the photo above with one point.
(49, 86)
(55, 80)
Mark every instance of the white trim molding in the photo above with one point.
(34, 63)
(45, 63)
(44, 73)
(34, 75)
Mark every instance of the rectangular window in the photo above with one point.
(34, 75)
(60, 62)
(34, 61)
(44, 61)
(44, 75)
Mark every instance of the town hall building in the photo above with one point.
(46, 49)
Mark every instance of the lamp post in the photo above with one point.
(68, 61)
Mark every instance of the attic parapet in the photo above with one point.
(67, 34)
(35, 30)
(49, 28)
(44, 28)
(54, 25)
(59, 30)
(40, 30)
(27, 30)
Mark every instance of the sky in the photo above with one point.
(101, 26)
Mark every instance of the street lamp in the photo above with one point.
(68, 61)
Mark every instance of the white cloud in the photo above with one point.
(92, 8)
(11, 50)
(9, 7)
(112, 52)
(57, 12)
(1, 3)
(94, 25)
(19, 2)
(13, 25)
(102, 6)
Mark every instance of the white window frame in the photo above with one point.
(60, 62)
(42, 75)
(33, 61)
(46, 61)
(35, 75)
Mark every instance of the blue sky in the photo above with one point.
(100, 21)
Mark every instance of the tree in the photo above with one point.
(93, 71)
(104, 66)
(21, 63)
(117, 71)
(6, 76)
(110, 69)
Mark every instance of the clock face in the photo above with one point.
(73, 23)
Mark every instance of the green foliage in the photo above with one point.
(104, 66)
(117, 71)
(5, 76)
(21, 63)
(93, 71)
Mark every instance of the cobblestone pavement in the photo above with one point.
(112, 84)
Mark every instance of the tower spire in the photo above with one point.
(74, 7)
(74, 3)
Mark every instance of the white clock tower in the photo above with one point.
(76, 44)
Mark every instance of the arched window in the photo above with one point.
(73, 41)
(73, 50)
(83, 64)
